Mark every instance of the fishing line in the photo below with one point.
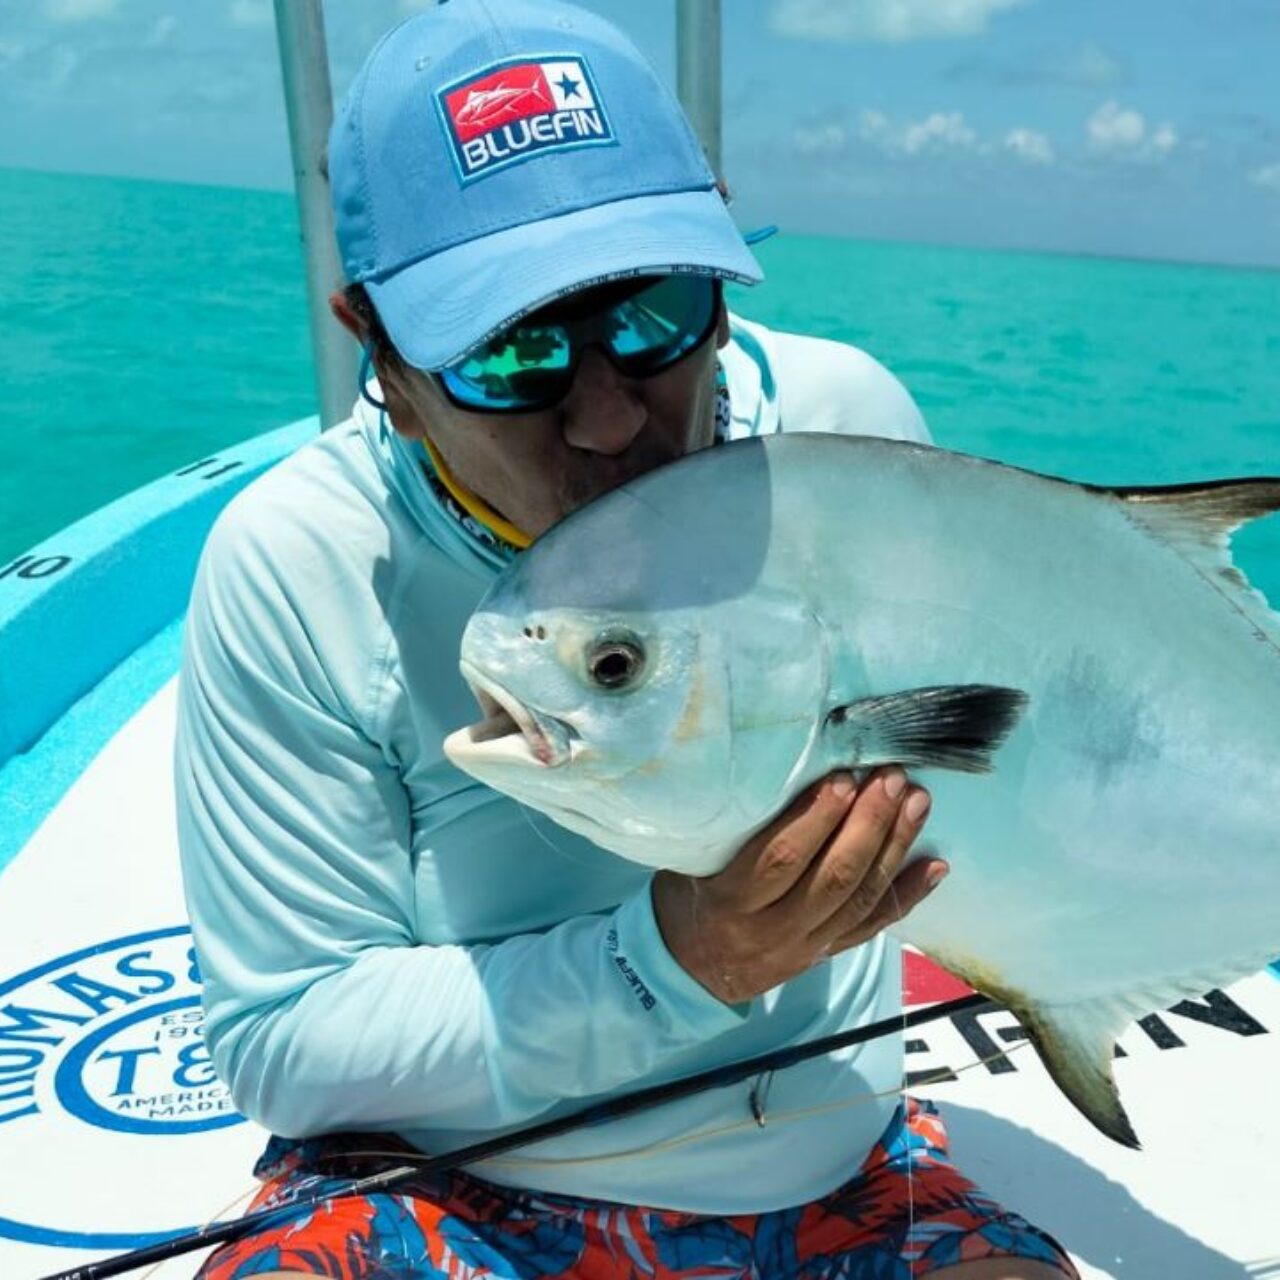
(911, 1186)
(226, 1208)
(654, 1149)
(758, 1096)
(600, 1113)
(527, 812)
(671, 1144)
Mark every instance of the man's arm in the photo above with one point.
(831, 386)
(815, 384)
(324, 1010)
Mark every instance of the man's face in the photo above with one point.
(536, 468)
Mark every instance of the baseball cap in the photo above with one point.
(494, 155)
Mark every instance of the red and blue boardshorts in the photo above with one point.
(879, 1225)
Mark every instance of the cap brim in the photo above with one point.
(438, 309)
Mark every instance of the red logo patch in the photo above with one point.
(518, 110)
(511, 94)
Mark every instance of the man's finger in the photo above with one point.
(907, 891)
(772, 861)
(861, 858)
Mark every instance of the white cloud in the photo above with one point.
(946, 129)
(937, 135)
(820, 140)
(941, 131)
(1122, 132)
(1029, 145)
(251, 13)
(874, 126)
(1113, 128)
(79, 10)
(1267, 177)
(891, 21)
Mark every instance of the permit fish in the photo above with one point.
(1081, 677)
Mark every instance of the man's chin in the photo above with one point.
(598, 486)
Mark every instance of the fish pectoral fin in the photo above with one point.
(1077, 1045)
(950, 726)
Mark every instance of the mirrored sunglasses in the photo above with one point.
(531, 365)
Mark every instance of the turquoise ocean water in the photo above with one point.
(144, 325)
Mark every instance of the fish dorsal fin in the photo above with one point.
(950, 726)
(1198, 520)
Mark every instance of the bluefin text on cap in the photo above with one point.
(512, 111)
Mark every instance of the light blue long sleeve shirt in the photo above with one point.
(388, 945)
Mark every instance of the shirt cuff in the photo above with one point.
(658, 982)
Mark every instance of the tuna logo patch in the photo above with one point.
(517, 110)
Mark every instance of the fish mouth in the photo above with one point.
(510, 733)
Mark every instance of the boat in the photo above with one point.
(115, 1133)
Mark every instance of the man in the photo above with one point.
(395, 959)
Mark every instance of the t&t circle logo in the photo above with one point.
(147, 1071)
(104, 1067)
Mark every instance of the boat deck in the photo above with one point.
(115, 1133)
(110, 1110)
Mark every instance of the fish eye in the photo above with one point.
(615, 661)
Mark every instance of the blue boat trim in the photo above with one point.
(32, 784)
(74, 665)
(62, 628)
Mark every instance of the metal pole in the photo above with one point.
(304, 67)
(698, 71)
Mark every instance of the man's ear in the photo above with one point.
(722, 325)
(399, 409)
(345, 315)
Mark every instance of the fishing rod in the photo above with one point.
(602, 1112)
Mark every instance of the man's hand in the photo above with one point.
(822, 877)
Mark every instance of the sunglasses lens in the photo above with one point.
(530, 366)
(663, 323)
(526, 365)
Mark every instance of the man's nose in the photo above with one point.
(603, 411)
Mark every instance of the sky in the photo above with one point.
(1141, 128)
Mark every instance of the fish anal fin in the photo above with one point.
(941, 726)
(1076, 1041)
(1077, 1044)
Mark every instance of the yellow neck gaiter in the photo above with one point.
(476, 507)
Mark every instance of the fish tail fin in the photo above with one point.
(1077, 1043)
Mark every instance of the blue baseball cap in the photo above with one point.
(494, 155)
